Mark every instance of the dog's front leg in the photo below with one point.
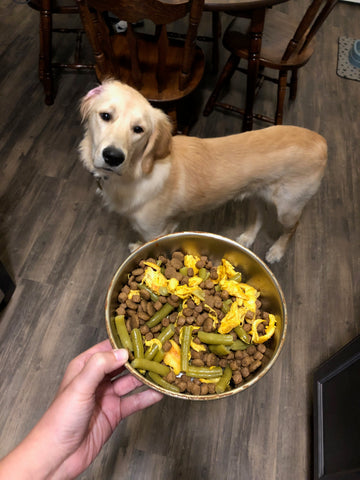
(277, 250)
(289, 212)
(248, 237)
(150, 229)
(134, 246)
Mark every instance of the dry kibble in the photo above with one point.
(208, 325)
(145, 294)
(254, 366)
(258, 356)
(197, 362)
(245, 362)
(144, 329)
(251, 350)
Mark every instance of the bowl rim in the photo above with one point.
(185, 396)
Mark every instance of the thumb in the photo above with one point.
(98, 367)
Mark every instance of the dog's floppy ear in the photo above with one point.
(159, 144)
(87, 101)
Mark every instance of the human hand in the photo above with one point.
(83, 415)
(89, 406)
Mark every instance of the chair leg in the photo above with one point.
(45, 70)
(282, 82)
(216, 35)
(226, 74)
(293, 84)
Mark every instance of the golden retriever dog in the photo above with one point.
(155, 178)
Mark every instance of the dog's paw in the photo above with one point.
(134, 246)
(246, 240)
(274, 254)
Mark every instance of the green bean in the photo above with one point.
(220, 350)
(242, 334)
(226, 306)
(137, 342)
(159, 315)
(166, 333)
(123, 333)
(144, 364)
(152, 351)
(159, 356)
(236, 277)
(153, 295)
(224, 381)
(184, 271)
(239, 345)
(204, 372)
(199, 294)
(204, 274)
(215, 338)
(163, 383)
(185, 347)
(163, 291)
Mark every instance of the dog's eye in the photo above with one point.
(105, 116)
(138, 129)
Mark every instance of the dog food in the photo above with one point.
(191, 326)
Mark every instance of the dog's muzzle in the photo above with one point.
(113, 156)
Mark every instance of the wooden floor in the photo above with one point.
(62, 247)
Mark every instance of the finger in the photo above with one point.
(126, 384)
(139, 401)
(77, 364)
(104, 346)
(99, 365)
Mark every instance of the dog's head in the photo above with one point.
(124, 134)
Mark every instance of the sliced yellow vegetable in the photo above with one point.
(269, 329)
(154, 279)
(150, 343)
(225, 270)
(190, 262)
(234, 318)
(172, 357)
(132, 293)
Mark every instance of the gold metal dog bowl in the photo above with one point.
(255, 272)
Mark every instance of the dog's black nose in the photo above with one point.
(113, 156)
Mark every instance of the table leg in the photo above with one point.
(256, 29)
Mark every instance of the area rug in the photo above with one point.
(344, 68)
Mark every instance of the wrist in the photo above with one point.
(34, 457)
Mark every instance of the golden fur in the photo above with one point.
(154, 178)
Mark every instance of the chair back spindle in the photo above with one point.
(162, 68)
(309, 26)
(319, 20)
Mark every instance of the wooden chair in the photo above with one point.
(286, 46)
(47, 10)
(163, 69)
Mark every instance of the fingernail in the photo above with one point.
(121, 355)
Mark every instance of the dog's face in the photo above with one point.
(124, 133)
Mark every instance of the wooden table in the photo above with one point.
(255, 10)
